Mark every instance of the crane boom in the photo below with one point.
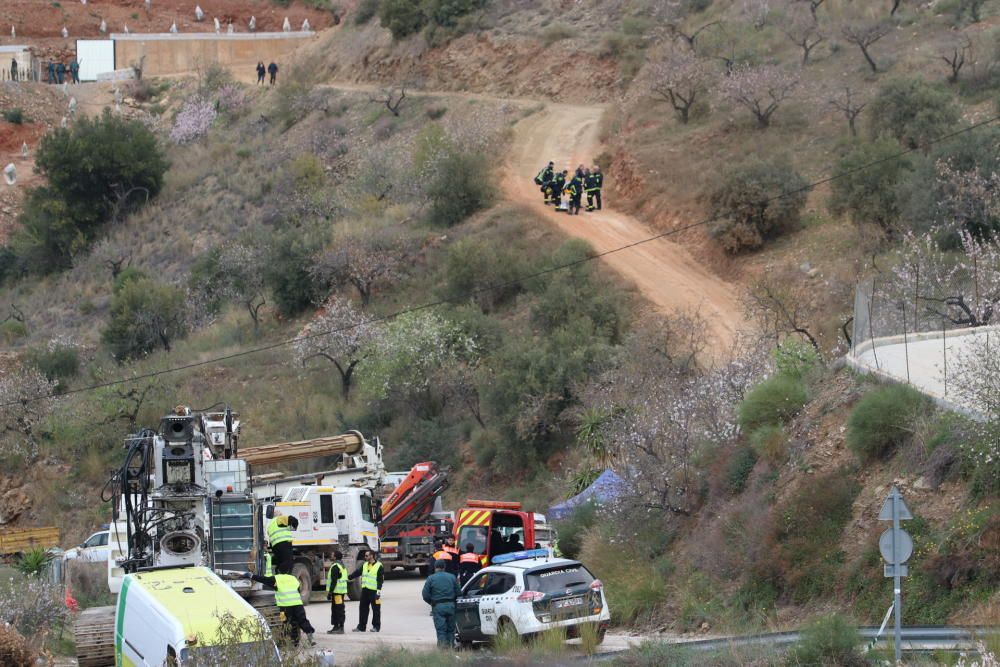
(349, 443)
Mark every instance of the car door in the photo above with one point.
(467, 619)
(95, 549)
(493, 602)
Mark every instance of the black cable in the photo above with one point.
(490, 288)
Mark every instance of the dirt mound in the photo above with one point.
(33, 19)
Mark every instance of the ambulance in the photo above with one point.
(187, 616)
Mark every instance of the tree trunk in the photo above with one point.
(871, 63)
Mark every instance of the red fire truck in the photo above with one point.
(493, 528)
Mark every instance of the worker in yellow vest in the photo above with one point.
(279, 536)
(336, 589)
(372, 577)
(289, 601)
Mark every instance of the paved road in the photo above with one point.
(406, 622)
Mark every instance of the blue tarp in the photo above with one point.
(605, 488)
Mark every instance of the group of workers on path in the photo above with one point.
(57, 71)
(554, 184)
(278, 576)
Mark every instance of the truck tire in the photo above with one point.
(304, 574)
(354, 590)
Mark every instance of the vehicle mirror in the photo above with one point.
(269, 512)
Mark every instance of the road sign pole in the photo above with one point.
(897, 596)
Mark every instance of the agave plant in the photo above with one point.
(33, 561)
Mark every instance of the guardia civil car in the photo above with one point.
(527, 592)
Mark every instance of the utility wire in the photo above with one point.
(488, 288)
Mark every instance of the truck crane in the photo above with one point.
(411, 520)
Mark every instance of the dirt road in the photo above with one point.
(663, 271)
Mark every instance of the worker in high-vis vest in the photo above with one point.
(336, 589)
(289, 601)
(279, 536)
(468, 564)
(372, 575)
(268, 564)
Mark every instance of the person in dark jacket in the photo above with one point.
(468, 564)
(441, 590)
(336, 591)
(52, 72)
(372, 577)
(74, 70)
(272, 69)
(261, 71)
(590, 187)
(13, 69)
(60, 72)
(599, 181)
(544, 181)
(558, 183)
(575, 191)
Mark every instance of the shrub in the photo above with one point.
(796, 358)
(739, 468)
(287, 274)
(770, 443)
(747, 206)
(12, 330)
(14, 648)
(56, 362)
(307, 172)
(473, 266)
(90, 168)
(870, 195)
(572, 529)
(773, 401)
(401, 17)
(366, 11)
(912, 111)
(446, 13)
(436, 113)
(556, 33)
(461, 186)
(829, 641)
(883, 420)
(145, 315)
(33, 561)
(15, 116)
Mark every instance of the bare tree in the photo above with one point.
(680, 78)
(778, 313)
(848, 103)
(390, 96)
(895, 7)
(341, 334)
(237, 276)
(804, 32)
(863, 35)
(26, 399)
(956, 58)
(813, 6)
(759, 88)
(758, 11)
(363, 259)
(124, 402)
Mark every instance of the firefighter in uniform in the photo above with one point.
(599, 183)
(558, 183)
(575, 191)
(372, 575)
(468, 564)
(446, 556)
(279, 536)
(336, 589)
(590, 187)
(544, 180)
(289, 601)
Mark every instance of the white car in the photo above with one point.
(528, 592)
(93, 550)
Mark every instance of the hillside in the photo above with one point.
(479, 327)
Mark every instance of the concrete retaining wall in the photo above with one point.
(169, 54)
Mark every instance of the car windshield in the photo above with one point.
(558, 579)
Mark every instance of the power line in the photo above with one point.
(488, 288)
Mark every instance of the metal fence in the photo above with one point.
(911, 339)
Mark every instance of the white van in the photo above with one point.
(184, 616)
